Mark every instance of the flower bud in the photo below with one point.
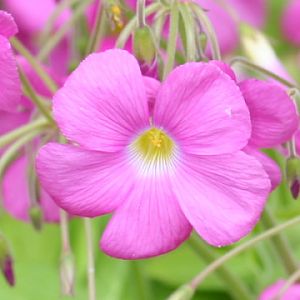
(183, 293)
(6, 261)
(143, 45)
(36, 217)
(67, 274)
(293, 175)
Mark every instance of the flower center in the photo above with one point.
(154, 145)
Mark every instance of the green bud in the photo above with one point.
(143, 45)
(6, 261)
(36, 217)
(293, 175)
(185, 292)
(67, 274)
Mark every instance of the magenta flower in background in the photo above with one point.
(273, 117)
(10, 85)
(159, 174)
(293, 293)
(290, 22)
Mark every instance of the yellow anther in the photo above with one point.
(116, 10)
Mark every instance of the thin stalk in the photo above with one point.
(11, 136)
(281, 244)
(262, 70)
(140, 282)
(140, 12)
(95, 37)
(11, 153)
(29, 90)
(91, 259)
(131, 25)
(173, 34)
(209, 29)
(289, 282)
(19, 47)
(58, 36)
(239, 249)
(240, 290)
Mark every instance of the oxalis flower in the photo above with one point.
(159, 174)
(274, 291)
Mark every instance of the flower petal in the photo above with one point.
(203, 110)
(222, 196)
(16, 195)
(8, 26)
(85, 183)
(290, 22)
(103, 103)
(273, 114)
(271, 293)
(270, 166)
(152, 86)
(149, 223)
(10, 86)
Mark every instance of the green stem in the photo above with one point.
(262, 70)
(90, 258)
(35, 64)
(11, 136)
(209, 29)
(29, 90)
(140, 282)
(236, 286)
(239, 249)
(281, 244)
(131, 25)
(10, 154)
(140, 12)
(58, 36)
(94, 40)
(171, 45)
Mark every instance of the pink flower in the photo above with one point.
(16, 192)
(160, 174)
(273, 117)
(290, 22)
(10, 85)
(293, 293)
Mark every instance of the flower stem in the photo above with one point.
(262, 70)
(58, 36)
(29, 90)
(140, 12)
(141, 283)
(91, 260)
(11, 136)
(238, 288)
(209, 29)
(281, 244)
(35, 64)
(173, 34)
(239, 249)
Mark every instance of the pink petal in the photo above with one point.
(224, 25)
(10, 121)
(268, 164)
(152, 86)
(8, 27)
(10, 86)
(203, 110)
(252, 12)
(84, 183)
(273, 114)
(16, 195)
(293, 293)
(222, 196)
(224, 68)
(290, 22)
(149, 223)
(103, 103)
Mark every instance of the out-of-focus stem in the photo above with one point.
(173, 34)
(19, 47)
(237, 287)
(90, 259)
(58, 36)
(281, 244)
(140, 12)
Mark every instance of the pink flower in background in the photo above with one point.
(273, 117)
(16, 194)
(293, 292)
(10, 85)
(290, 22)
(159, 174)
